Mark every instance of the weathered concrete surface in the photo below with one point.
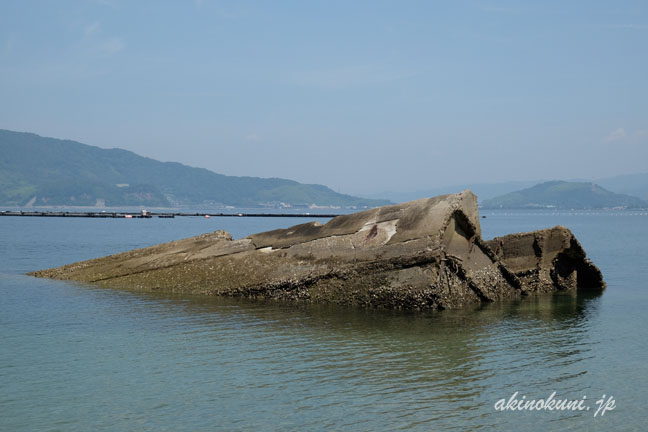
(548, 259)
(425, 254)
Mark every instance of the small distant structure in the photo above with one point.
(145, 213)
(207, 216)
(128, 216)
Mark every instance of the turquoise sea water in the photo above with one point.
(77, 358)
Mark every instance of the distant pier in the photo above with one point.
(166, 215)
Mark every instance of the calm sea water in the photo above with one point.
(77, 358)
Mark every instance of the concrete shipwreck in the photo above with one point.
(424, 254)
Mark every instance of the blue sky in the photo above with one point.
(360, 96)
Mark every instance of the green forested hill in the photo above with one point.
(563, 194)
(47, 171)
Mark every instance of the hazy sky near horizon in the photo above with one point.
(363, 96)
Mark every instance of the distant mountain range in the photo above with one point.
(563, 194)
(38, 171)
(629, 184)
(45, 171)
(482, 190)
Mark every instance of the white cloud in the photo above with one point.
(641, 133)
(616, 135)
(112, 46)
(92, 28)
(97, 40)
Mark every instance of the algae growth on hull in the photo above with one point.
(424, 254)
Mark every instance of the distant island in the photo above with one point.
(39, 171)
(630, 184)
(564, 195)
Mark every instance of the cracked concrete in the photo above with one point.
(424, 254)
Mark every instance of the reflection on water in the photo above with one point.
(164, 359)
(75, 357)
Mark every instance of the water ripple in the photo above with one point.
(76, 358)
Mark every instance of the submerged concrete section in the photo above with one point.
(547, 260)
(424, 254)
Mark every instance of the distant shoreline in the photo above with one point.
(189, 209)
(144, 214)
